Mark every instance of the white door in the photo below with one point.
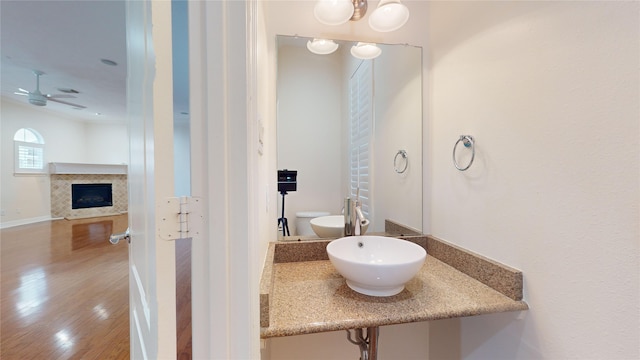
(149, 101)
(225, 280)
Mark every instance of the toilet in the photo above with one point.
(303, 227)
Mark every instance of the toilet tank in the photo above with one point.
(303, 218)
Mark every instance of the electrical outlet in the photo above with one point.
(2, 212)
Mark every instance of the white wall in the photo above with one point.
(550, 92)
(106, 143)
(27, 198)
(309, 130)
(267, 161)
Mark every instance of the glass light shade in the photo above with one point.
(365, 51)
(322, 46)
(333, 12)
(390, 15)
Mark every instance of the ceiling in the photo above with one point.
(66, 40)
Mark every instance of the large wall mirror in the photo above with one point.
(319, 98)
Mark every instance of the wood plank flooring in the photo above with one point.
(64, 290)
(183, 299)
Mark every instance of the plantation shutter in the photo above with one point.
(361, 119)
(29, 157)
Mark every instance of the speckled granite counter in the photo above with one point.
(302, 293)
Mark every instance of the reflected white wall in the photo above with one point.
(398, 105)
(309, 130)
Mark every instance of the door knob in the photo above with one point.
(115, 238)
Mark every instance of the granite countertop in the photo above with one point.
(302, 293)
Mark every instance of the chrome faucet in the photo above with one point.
(353, 217)
(360, 220)
(348, 229)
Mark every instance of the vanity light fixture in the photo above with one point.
(333, 12)
(322, 46)
(390, 15)
(359, 9)
(365, 51)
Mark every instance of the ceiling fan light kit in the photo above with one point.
(37, 98)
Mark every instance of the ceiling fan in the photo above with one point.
(39, 99)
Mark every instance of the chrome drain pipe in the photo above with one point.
(368, 344)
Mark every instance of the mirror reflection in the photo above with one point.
(350, 128)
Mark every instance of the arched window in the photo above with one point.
(29, 152)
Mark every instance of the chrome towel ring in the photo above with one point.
(404, 155)
(468, 142)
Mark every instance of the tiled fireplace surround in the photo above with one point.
(65, 174)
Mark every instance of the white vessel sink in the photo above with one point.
(376, 265)
(332, 226)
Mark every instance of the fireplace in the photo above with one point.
(91, 195)
(64, 176)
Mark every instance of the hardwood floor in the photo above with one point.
(183, 299)
(64, 290)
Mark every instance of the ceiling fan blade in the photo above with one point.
(60, 96)
(23, 90)
(67, 103)
(21, 93)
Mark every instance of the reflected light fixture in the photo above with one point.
(322, 46)
(333, 12)
(390, 15)
(365, 51)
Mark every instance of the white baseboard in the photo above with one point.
(8, 224)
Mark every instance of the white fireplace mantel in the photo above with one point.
(76, 168)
